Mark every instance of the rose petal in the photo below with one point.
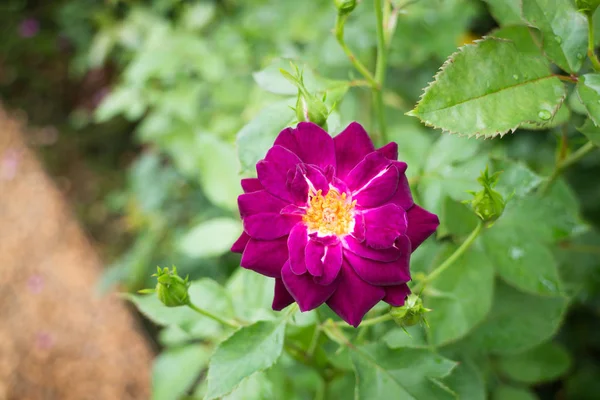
(240, 244)
(297, 245)
(373, 165)
(383, 225)
(329, 240)
(272, 171)
(332, 264)
(379, 190)
(421, 225)
(282, 297)
(351, 146)
(317, 179)
(259, 202)
(359, 227)
(297, 185)
(269, 226)
(251, 185)
(323, 262)
(403, 196)
(361, 249)
(382, 273)
(353, 297)
(396, 295)
(266, 257)
(390, 151)
(315, 146)
(311, 143)
(308, 294)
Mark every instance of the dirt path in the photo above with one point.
(58, 339)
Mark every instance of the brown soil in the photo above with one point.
(59, 339)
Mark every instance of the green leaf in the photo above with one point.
(517, 321)
(218, 171)
(539, 364)
(564, 30)
(210, 238)
(256, 387)
(505, 392)
(457, 219)
(591, 131)
(415, 142)
(451, 170)
(467, 381)
(516, 178)
(249, 350)
(414, 337)
(252, 295)
(474, 93)
(175, 371)
(506, 12)
(520, 259)
(460, 297)
(524, 38)
(588, 90)
(204, 293)
(402, 373)
(254, 139)
(123, 100)
(562, 116)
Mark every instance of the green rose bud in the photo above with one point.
(587, 6)
(345, 7)
(411, 313)
(488, 204)
(309, 107)
(171, 289)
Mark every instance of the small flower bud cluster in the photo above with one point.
(587, 6)
(309, 108)
(488, 204)
(345, 7)
(411, 313)
(171, 289)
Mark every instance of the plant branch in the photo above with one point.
(566, 163)
(591, 53)
(380, 69)
(231, 324)
(450, 260)
(339, 35)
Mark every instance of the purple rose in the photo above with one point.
(332, 220)
(29, 27)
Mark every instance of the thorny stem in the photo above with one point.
(450, 260)
(591, 52)
(210, 315)
(566, 163)
(339, 35)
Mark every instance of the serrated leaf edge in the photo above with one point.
(441, 70)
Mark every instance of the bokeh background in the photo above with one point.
(134, 108)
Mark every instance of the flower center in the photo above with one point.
(332, 214)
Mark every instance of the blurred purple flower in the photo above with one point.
(44, 341)
(35, 284)
(29, 27)
(332, 220)
(9, 164)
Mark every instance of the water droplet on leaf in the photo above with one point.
(544, 115)
(558, 39)
(516, 253)
(515, 76)
(579, 56)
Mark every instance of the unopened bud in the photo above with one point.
(411, 313)
(309, 107)
(171, 289)
(488, 204)
(587, 6)
(345, 7)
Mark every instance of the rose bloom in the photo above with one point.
(332, 220)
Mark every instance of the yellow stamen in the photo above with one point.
(332, 214)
